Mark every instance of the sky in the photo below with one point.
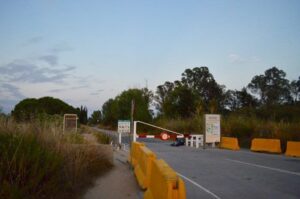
(85, 52)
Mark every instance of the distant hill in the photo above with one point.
(31, 107)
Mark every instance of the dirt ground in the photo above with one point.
(118, 183)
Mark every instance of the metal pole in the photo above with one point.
(204, 132)
(134, 131)
(131, 119)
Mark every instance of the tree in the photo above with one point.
(83, 114)
(110, 112)
(235, 99)
(162, 93)
(30, 108)
(295, 89)
(120, 107)
(96, 117)
(181, 102)
(272, 87)
(202, 82)
(196, 92)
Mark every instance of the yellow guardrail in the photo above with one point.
(143, 167)
(266, 145)
(164, 183)
(293, 149)
(229, 143)
(135, 152)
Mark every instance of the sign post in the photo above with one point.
(131, 122)
(123, 127)
(212, 133)
(70, 122)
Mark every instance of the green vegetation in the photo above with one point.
(38, 161)
(96, 117)
(102, 138)
(267, 107)
(120, 107)
(31, 109)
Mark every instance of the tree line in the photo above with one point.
(31, 108)
(267, 95)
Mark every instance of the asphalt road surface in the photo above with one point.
(216, 173)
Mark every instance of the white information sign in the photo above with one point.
(123, 126)
(212, 128)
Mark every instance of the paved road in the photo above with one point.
(215, 173)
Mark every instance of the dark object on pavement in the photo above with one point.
(178, 142)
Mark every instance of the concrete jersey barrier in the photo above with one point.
(135, 152)
(164, 183)
(266, 145)
(229, 143)
(293, 149)
(142, 169)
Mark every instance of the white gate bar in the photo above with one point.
(134, 129)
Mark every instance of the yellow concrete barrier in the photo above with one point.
(229, 143)
(293, 149)
(266, 145)
(164, 183)
(135, 152)
(142, 169)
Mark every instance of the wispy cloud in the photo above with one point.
(34, 40)
(59, 90)
(237, 59)
(50, 59)
(61, 47)
(97, 92)
(10, 91)
(79, 87)
(23, 71)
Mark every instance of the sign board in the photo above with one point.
(212, 128)
(70, 122)
(123, 126)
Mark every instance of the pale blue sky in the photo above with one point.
(86, 52)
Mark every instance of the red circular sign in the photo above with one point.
(164, 136)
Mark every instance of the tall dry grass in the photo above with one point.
(38, 161)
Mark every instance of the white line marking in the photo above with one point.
(198, 185)
(266, 167)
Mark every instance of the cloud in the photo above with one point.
(57, 90)
(34, 40)
(50, 59)
(10, 91)
(9, 96)
(67, 89)
(61, 47)
(237, 59)
(79, 87)
(22, 71)
(97, 92)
